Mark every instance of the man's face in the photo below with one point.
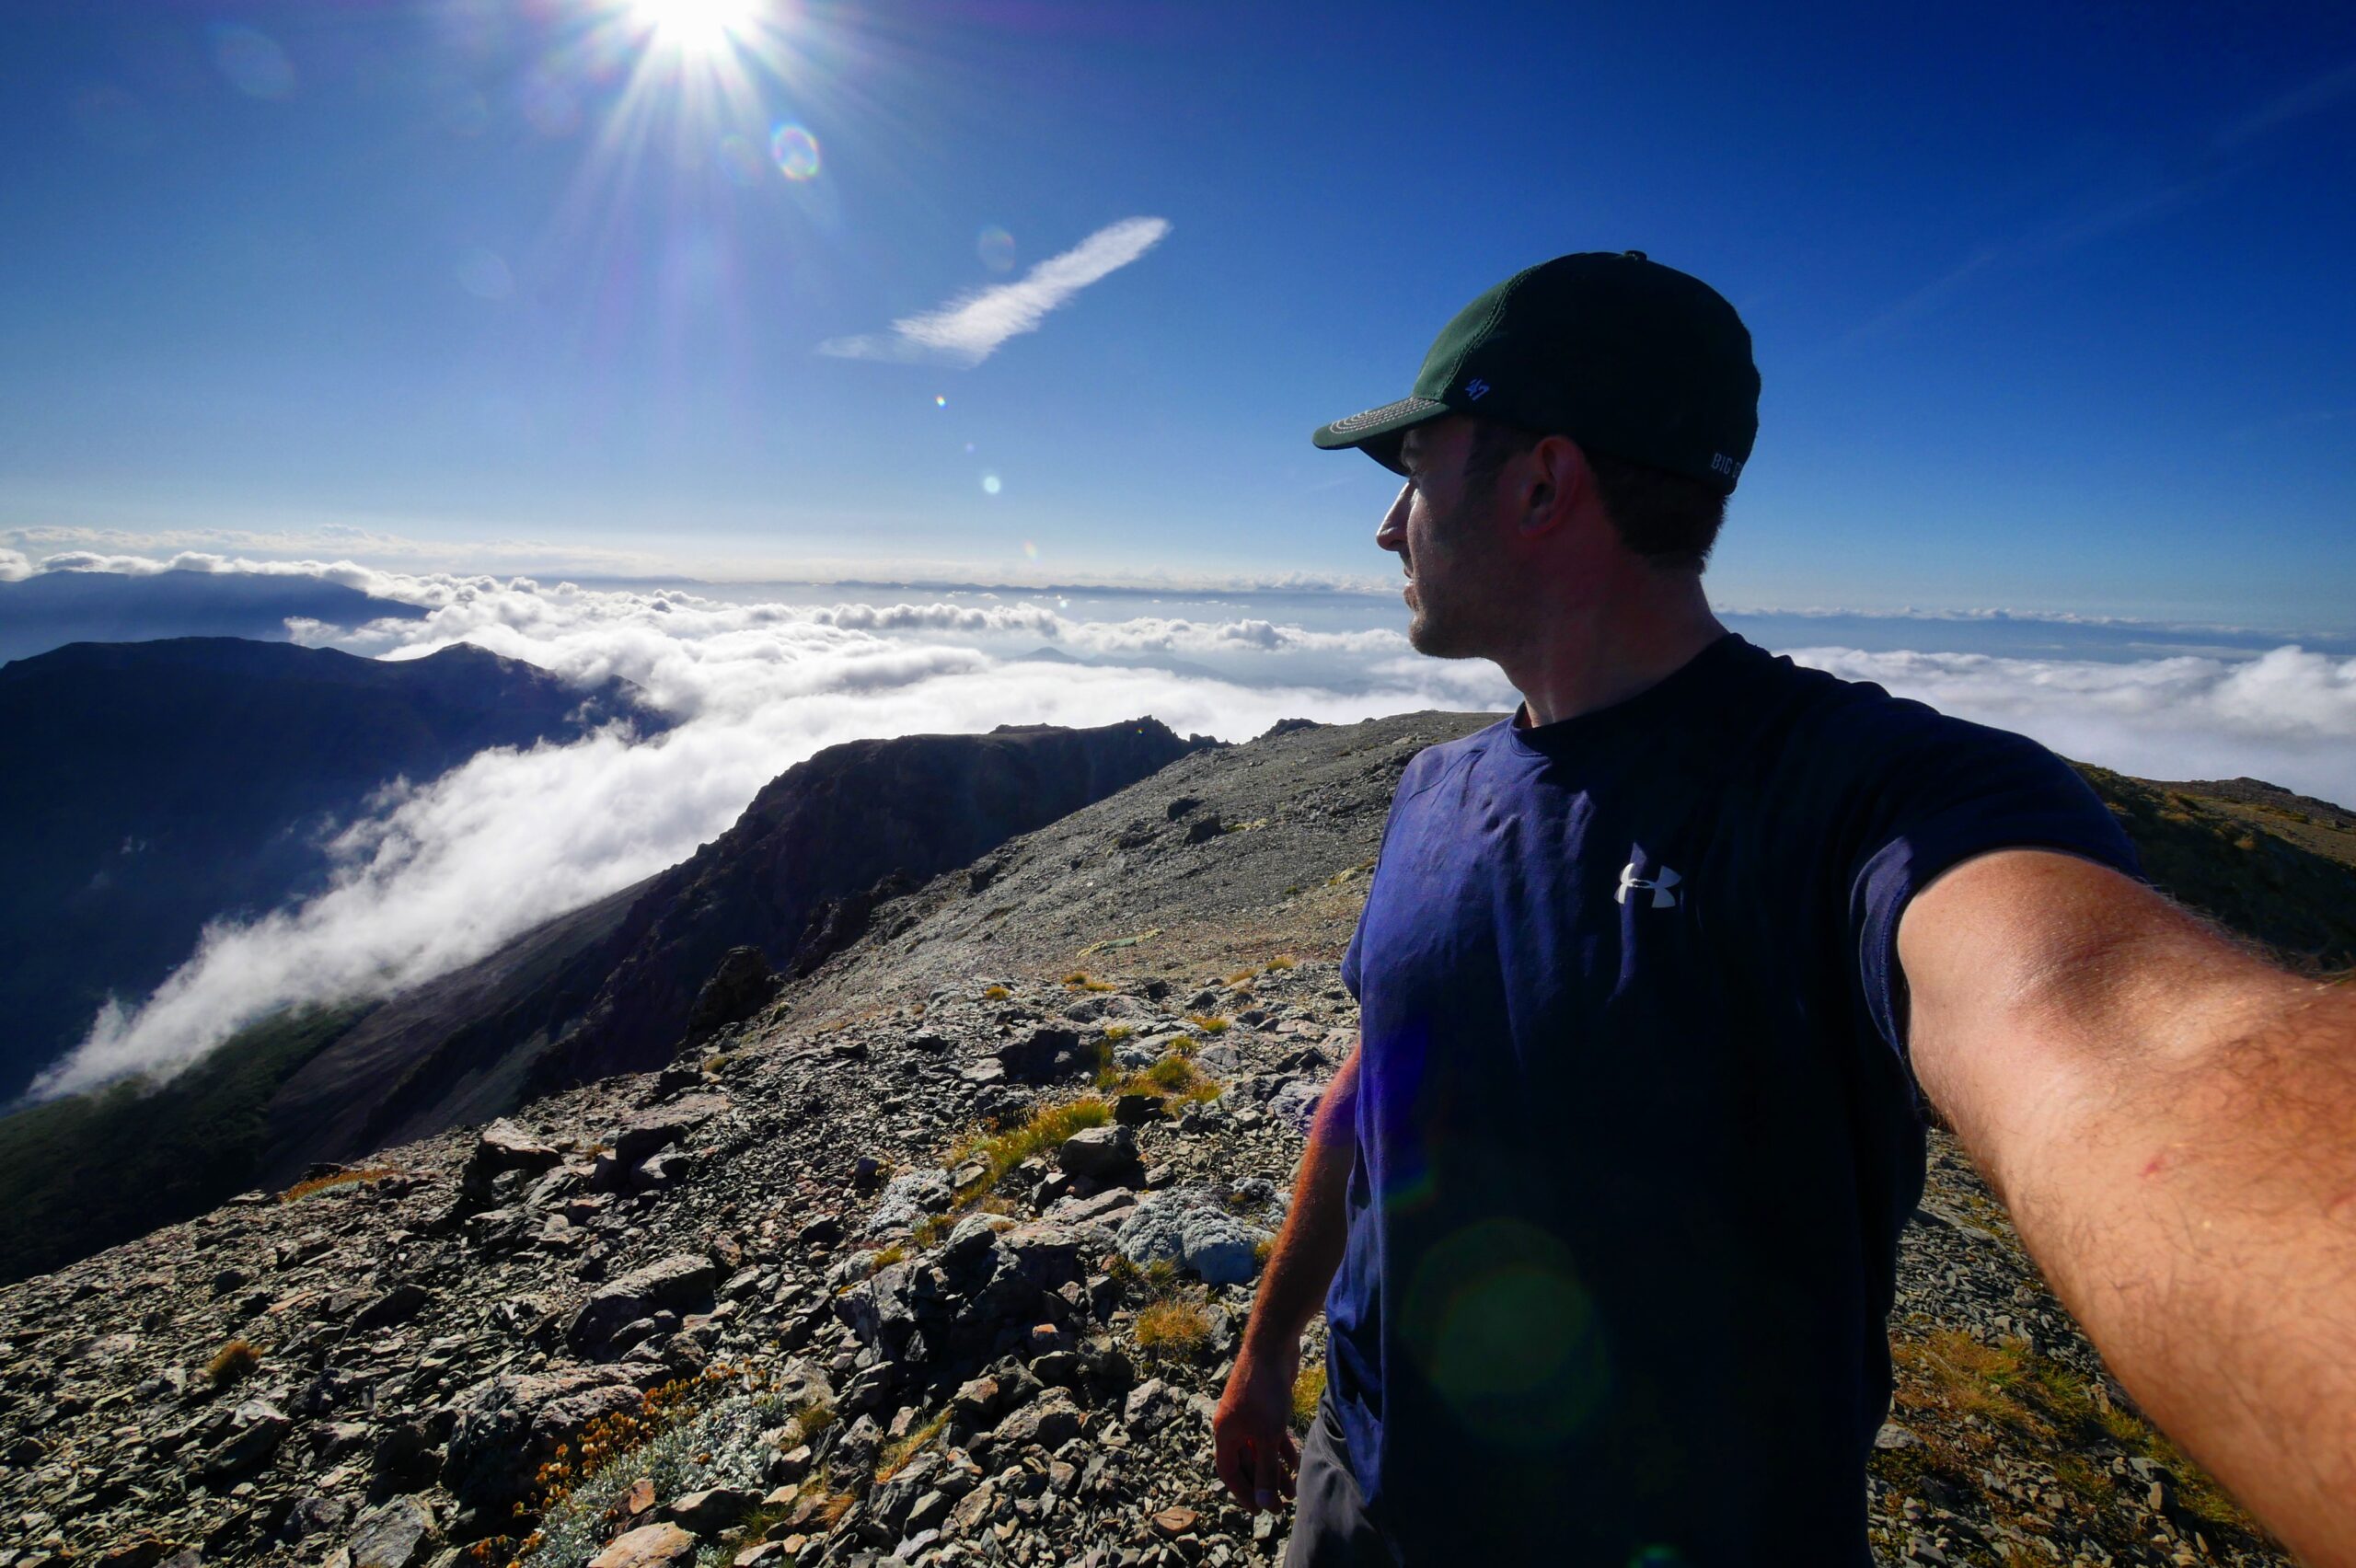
(1444, 530)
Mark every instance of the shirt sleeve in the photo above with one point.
(1942, 792)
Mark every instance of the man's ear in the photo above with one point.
(1555, 479)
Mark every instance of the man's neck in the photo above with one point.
(1582, 658)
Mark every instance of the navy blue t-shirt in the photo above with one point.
(1635, 1131)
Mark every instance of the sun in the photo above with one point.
(703, 28)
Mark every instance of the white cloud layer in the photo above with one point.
(441, 874)
(2287, 716)
(968, 330)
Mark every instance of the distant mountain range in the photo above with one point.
(147, 788)
(54, 608)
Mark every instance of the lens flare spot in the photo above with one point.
(996, 247)
(1507, 1336)
(485, 274)
(939, 402)
(1030, 551)
(253, 61)
(795, 152)
(989, 484)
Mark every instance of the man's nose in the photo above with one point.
(1392, 534)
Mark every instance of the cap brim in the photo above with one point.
(1377, 431)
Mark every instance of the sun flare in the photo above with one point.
(702, 28)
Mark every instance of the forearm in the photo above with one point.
(2194, 1203)
(1309, 1246)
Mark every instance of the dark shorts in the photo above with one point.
(1330, 1525)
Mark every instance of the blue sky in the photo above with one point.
(2051, 305)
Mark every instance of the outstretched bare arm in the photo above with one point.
(1252, 1433)
(2172, 1122)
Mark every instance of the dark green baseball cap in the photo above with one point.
(1623, 355)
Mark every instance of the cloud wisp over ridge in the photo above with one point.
(969, 328)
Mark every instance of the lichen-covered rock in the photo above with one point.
(1187, 1227)
(908, 1198)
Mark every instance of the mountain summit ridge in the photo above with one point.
(942, 1251)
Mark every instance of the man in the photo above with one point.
(1609, 1192)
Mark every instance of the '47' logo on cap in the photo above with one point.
(1476, 389)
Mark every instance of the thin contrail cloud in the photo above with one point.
(968, 330)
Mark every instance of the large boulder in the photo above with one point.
(681, 1283)
(503, 1148)
(1050, 1421)
(1046, 1054)
(395, 1534)
(1108, 1154)
(741, 986)
(509, 1426)
(661, 1127)
(254, 1430)
(648, 1546)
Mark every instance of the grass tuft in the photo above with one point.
(995, 993)
(1307, 1389)
(2039, 1401)
(1176, 1329)
(1001, 1152)
(1208, 1023)
(302, 1189)
(233, 1363)
(1281, 962)
(813, 1417)
(894, 1458)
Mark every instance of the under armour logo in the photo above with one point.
(1662, 886)
(1476, 389)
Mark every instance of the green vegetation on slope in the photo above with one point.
(2227, 860)
(81, 1174)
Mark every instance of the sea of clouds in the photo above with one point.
(442, 871)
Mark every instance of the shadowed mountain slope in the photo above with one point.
(610, 988)
(149, 788)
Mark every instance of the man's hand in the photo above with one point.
(1251, 1431)
(1252, 1441)
(2172, 1122)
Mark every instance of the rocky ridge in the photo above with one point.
(938, 1257)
